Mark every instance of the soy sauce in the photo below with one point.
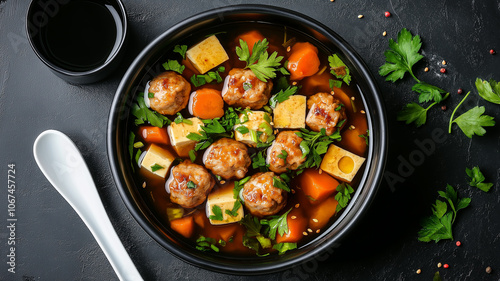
(82, 35)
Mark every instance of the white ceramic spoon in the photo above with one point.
(63, 165)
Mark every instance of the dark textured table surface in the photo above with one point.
(52, 243)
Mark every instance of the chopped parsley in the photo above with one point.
(277, 224)
(238, 185)
(234, 211)
(315, 144)
(247, 86)
(181, 49)
(191, 185)
(283, 247)
(206, 244)
(174, 65)
(156, 167)
(339, 70)
(209, 77)
(192, 155)
(414, 113)
(179, 119)
(259, 161)
(217, 216)
(283, 155)
(282, 96)
(143, 114)
(280, 183)
(366, 137)
(476, 179)
(343, 195)
(261, 64)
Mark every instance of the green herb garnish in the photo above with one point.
(209, 77)
(174, 65)
(366, 137)
(438, 225)
(261, 64)
(192, 155)
(144, 114)
(206, 244)
(247, 86)
(489, 91)
(280, 183)
(282, 96)
(315, 144)
(217, 216)
(477, 179)
(179, 119)
(156, 167)
(283, 247)
(234, 211)
(343, 195)
(191, 185)
(277, 224)
(414, 113)
(238, 185)
(181, 49)
(472, 121)
(283, 155)
(339, 70)
(259, 161)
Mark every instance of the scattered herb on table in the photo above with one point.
(472, 121)
(489, 91)
(438, 226)
(477, 179)
(414, 113)
(261, 64)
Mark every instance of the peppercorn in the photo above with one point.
(446, 265)
(442, 70)
(458, 243)
(387, 14)
(492, 52)
(443, 108)
(460, 91)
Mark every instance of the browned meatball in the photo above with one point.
(171, 93)
(289, 142)
(227, 158)
(261, 197)
(256, 95)
(184, 193)
(324, 112)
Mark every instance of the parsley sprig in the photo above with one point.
(472, 121)
(477, 179)
(143, 114)
(438, 226)
(414, 113)
(489, 91)
(315, 144)
(343, 195)
(282, 96)
(339, 70)
(261, 64)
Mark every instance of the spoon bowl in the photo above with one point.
(63, 165)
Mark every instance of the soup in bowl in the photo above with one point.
(247, 139)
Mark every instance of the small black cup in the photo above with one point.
(81, 41)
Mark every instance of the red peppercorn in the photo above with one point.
(492, 52)
(446, 265)
(387, 14)
(458, 243)
(442, 70)
(460, 91)
(443, 108)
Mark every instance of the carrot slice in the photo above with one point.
(184, 226)
(207, 104)
(251, 38)
(296, 227)
(303, 61)
(321, 214)
(152, 134)
(317, 187)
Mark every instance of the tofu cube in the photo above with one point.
(341, 164)
(223, 197)
(255, 121)
(157, 160)
(207, 54)
(291, 114)
(178, 135)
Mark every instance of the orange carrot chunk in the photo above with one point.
(152, 134)
(184, 226)
(317, 187)
(321, 214)
(207, 104)
(303, 61)
(251, 38)
(296, 227)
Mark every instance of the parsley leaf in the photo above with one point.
(259, 161)
(156, 167)
(206, 244)
(339, 70)
(282, 96)
(261, 64)
(143, 114)
(402, 56)
(489, 91)
(234, 211)
(209, 77)
(314, 144)
(438, 226)
(174, 66)
(277, 224)
(477, 179)
(238, 185)
(428, 92)
(472, 121)
(366, 137)
(283, 247)
(191, 185)
(283, 154)
(192, 155)
(179, 119)
(343, 195)
(181, 49)
(279, 183)
(217, 216)
(414, 113)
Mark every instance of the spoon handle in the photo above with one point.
(63, 165)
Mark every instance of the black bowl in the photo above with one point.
(144, 67)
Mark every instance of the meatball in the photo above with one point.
(290, 143)
(261, 197)
(171, 93)
(189, 184)
(227, 158)
(325, 112)
(255, 96)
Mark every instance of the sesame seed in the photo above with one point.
(332, 0)
(272, 123)
(419, 271)
(317, 231)
(315, 220)
(443, 62)
(488, 269)
(332, 92)
(294, 83)
(439, 265)
(353, 98)
(222, 182)
(320, 171)
(297, 205)
(304, 233)
(144, 185)
(352, 127)
(288, 48)
(426, 69)
(293, 217)
(384, 33)
(310, 230)
(360, 16)
(362, 111)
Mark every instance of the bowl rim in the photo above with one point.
(379, 118)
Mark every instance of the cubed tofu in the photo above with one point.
(157, 159)
(256, 122)
(207, 54)
(341, 164)
(223, 197)
(291, 114)
(178, 135)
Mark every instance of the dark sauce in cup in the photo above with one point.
(82, 35)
